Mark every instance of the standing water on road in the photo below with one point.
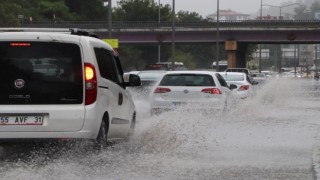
(270, 136)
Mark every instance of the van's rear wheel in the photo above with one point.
(132, 126)
(102, 135)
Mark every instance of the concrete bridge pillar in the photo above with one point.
(236, 54)
(231, 48)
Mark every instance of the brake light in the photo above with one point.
(243, 88)
(211, 91)
(161, 90)
(20, 44)
(90, 84)
(89, 73)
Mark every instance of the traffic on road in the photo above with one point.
(140, 91)
(270, 135)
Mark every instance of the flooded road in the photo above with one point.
(271, 136)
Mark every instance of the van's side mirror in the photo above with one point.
(134, 80)
(233, 86)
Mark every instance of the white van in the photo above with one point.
(58, 85)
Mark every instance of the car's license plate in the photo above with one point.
(21, 120)
(178, 103)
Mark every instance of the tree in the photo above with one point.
(315, 7)
(130, 57)
(88, 10)
(9, 14)
(186, 16)
(301, 13)
(140, 10)
(187, 58)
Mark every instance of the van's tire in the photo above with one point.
(132, 125)
(101, 139)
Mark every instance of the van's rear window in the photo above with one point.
(40, 73)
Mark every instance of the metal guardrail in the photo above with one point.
(154, 24)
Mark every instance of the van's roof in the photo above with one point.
(46, 36)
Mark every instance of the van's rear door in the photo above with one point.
(41, 86)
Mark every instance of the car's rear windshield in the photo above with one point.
(151, 75)
(233, 77)
(187, 80)
(238, 70)
(40, 73)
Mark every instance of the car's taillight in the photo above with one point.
(20, 44)
(161, 90)
(211, 91)
(90, 84)
(243, 88)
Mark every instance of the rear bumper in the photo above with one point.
(62, 121)
(206, 110)
(47, 135)
(188, 105)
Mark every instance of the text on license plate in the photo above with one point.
(21, 120)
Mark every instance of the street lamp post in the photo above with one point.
(173, 35)
(259, 63)
(110, 20)
(261, 10)
(218, 39)
(159, 46)
(316, 56)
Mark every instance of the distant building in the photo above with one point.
(228, 15)
(268, 17)
(317, 15)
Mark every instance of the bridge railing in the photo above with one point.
(154, 24)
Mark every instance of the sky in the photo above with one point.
(206, 7)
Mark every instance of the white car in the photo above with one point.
(242, 81)
(261, 78)
(62, 85)
(196, 90)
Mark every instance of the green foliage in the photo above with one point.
(302, 12)
(55, 10)
(250, 50)
(131, 58)
(88, 10)
(187, 58)
(9, 14)
(185, 16)
(140, 10)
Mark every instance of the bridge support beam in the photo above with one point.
(231, 48)
(236, 54)
(232, 59)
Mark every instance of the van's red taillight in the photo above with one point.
(211, 91)
(20, 44)
(90, 84)
(243, 88)
(161, 90)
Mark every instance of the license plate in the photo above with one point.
(21, 120)
(178, 103)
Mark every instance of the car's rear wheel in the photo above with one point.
(101, 139)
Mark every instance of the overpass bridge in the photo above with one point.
(235, 34)
(260, 31)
